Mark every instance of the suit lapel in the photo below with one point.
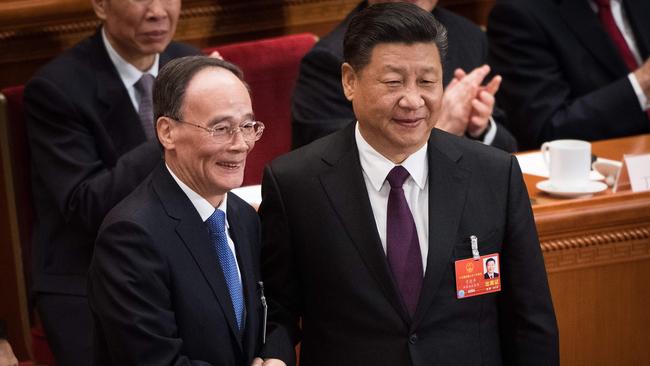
(194, 235)
(448, 183)
(345, 187)
(584, 23)
(243, 244)
(120, 118)
(638, 13)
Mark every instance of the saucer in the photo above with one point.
(589, 189)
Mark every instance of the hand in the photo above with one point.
(466, 105)
(482, 108)
(7, 357)
(268, 362)
(642, 75)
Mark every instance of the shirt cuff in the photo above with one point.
(488, 139)
(643, 100)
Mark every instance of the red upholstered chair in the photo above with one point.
(16, 173)
(270, 68)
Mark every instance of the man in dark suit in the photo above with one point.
(490, 265)
(572, 68)
(175, 270)
(89, 127)
(361, 229)
(320, 108)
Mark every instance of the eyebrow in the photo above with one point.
(219, 119)
(401, 69)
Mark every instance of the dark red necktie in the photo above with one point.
(607, 20)
(402, 244)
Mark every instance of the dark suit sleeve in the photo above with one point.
(70, 162)
(503, 139)
(131, 301)
(528, 327)
(319, 106)
(279, 273)
(536, 94)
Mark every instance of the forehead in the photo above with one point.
(418, 57)
(214, 88)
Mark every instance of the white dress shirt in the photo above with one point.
(129, 73)
(623, 24)
(416, 189)
(205, 210)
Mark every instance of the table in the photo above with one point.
(597, 255)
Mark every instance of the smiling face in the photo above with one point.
(209, 167)
(396, 97)
(138, 29)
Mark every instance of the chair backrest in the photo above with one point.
(16, 215)
(270, 68)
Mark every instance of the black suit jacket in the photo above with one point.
(562, 74)
(88, 151)
(156, 289)
(319, 106)
(323, 262)
(494, 275)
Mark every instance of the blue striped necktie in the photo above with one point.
(217, 229)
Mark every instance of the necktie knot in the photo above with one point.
(217, 222)
(397, 176)
(144, 85)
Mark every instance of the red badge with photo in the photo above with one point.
(478, 276)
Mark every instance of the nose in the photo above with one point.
(238, 143)
(156, 9)
(411, 99)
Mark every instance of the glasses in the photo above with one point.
(222, 132)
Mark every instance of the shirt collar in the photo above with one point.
(128, 73)
(376, 166)
(204, 208)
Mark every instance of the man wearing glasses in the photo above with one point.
(174, 274)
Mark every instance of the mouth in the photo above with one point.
(230, 165)
(156, 35)
(409, 121)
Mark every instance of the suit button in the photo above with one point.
(413, 339)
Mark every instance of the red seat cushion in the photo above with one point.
(270, 68)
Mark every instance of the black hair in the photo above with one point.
(391, 23)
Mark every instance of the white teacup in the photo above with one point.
(569, 162)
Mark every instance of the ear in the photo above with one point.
(165, 130)
(349, 80)
(100, 8)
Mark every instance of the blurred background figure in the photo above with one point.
(90, 129)
(572, 68)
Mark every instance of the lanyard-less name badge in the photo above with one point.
(478, 275)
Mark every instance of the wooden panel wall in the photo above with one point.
(597, 255)
(34, 31)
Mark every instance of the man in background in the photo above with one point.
(90, 129)
(572, 68)
(174, 275)
(319, 106)
(362, 229)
